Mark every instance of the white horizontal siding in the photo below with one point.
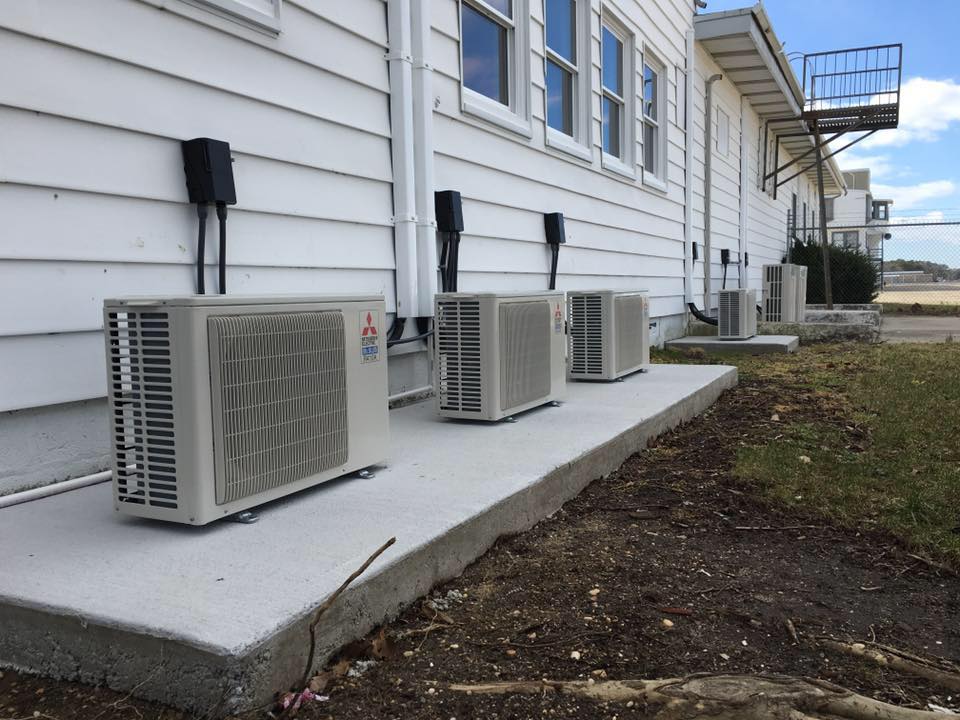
(620, 233)
(91, 180)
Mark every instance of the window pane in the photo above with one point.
(650, 148)
(559, 98)
(504, 6)
(612, 124)
(612, 62)
(561, 28)
(485, 55)
(650, 91)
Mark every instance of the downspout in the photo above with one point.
(400, 64)
(744, 191)
(707, 192)
(688, 177)
(426, 232)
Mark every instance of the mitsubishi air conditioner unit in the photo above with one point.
(784, 293)
(219, 403)
(738, 314)
(498, 354)
(609, 334)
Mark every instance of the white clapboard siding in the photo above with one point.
(57, 297)
(54, 224)
(92, 191)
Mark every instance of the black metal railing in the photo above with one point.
(842, 87)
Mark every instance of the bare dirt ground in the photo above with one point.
(667, 567)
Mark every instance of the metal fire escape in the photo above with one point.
(845, 91)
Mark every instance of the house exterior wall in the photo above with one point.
(94, 204)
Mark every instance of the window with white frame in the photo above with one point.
(615, 81)
(654, 121)
(849, 239)
(260, 14)
(494, 46)
(723, 132)
(567, 74)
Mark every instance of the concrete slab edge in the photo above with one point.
(193, 679)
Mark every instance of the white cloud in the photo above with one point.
(907, 197)
(927, 109)
(880, 165)
(933, 216)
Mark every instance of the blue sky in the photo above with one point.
(918, 164)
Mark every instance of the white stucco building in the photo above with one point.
(343, 119)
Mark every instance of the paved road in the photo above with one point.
(919, 328)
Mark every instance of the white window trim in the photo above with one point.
(626, 166)
(580, 144)
(656, 179)
(516, 117)
(244, 13)
(723, 138)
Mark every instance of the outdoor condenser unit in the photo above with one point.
(609, 334)
(784, 293)
(738, 314)
(498, 354)
(219, 403)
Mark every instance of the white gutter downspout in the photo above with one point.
(426, 240)
(744, 190)
(707, 192)
(400, 64)
(688, 177)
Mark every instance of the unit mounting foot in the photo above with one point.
(246, 517)
(365, 474)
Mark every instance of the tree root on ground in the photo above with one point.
(721, 697)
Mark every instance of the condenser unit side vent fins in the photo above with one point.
(586, 334)
(141, 404)
(279, 399)
(524, 357)
(459, 368)
(630, 333)
(773, 293)
(729, 314)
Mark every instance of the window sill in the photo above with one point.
(494, 113)
(264, 21)
(567, 144)
(653, 182)
(616, 165)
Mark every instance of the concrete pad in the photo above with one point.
(757, 345)
(214, 619)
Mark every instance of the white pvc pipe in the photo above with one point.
(422, 102)
(744, 189)
(54, 489)
(402, 147)
(688, 177)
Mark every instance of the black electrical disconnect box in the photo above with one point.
(449, 210)
(696, 253)
(553, 225)
(724, 256)
(209, 170)
(746, 259)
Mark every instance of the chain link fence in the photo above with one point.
(908, 266)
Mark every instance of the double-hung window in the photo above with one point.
(495, 69)
(654, 123)
(616, 101)
(567, 75)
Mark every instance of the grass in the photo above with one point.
(946, 309)
(876, 445)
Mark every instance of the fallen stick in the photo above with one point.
(774, 528)
(325, 605)
(895, 660)
(719, 697)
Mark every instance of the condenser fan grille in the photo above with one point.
(279, 399)
(524, 353)
(629, 321)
